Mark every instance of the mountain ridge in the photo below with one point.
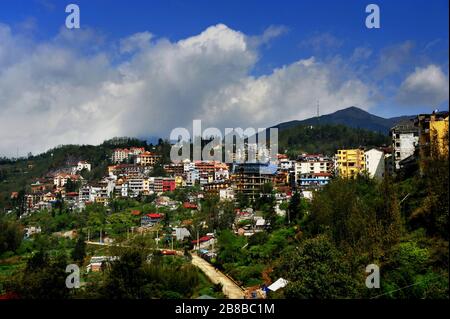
(351, 116)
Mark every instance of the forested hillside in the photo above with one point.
(327, 138)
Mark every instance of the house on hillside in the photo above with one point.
(151, 219)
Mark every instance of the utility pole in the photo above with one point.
(88, 235)
(157, 239)
(198, 240)
(100, 235)
(172, 242)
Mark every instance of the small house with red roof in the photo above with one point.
(151, 219)
(203, 239)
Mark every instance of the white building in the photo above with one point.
(83, 165)
(138, 185)
(374, 163)
(405, 137)
(61, 179)
(221, 175)
(188, 166)
(286, 164)
(226, 193)
(192, 176)
(119, 155)
(312, 164)
(88, 193)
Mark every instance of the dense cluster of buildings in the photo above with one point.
(130, 172)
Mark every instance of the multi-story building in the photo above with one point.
(350, 163)
(138, 185)
(41, 185)
(250, 177)
(405, 137)
(312, 164)
(164, 184)
(192, 177)
(312, 181)
(174, 169)
(433, 133)
(128, 170)
(221, 175)
(215, 187)
(121, 154)
(60, 180)
(375, 163)
(226, 193)
(88, 193)
(147, 159)
(284, 163)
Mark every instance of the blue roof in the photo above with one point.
(261, 168)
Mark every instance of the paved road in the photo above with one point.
(229, 288)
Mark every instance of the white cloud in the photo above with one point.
(268, 35)
(322, 42)
(391, 59)
(425, 86)
(137, 41)
(58, 93)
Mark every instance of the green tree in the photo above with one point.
(43, 278)
(11, 234)
(79, 251)
(294, 209)
(318, 270)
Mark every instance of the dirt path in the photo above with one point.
(229, 288)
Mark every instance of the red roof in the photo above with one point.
(189, 205)
(72, 194)
(322, 174)
(136, 212)
(202, 239)
(154, 215)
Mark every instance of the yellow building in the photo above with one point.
(179, 181)
(148, 159)
(350, 163)
(433, 133)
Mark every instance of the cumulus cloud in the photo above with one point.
(425, 86)
(57, 92)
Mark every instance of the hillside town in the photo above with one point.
(127, 176)
(182, 210)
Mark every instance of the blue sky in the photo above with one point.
(401, 68)
(420, 21)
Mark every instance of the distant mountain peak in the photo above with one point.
(351, 116)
